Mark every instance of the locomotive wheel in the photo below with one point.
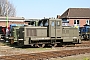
(42, 45)
(54, 45)
(85, 37)
(36, 45)
(32, 45)
(11, 41)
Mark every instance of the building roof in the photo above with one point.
(76, 13)
(12, 18)
(20, 19)
(28, 20)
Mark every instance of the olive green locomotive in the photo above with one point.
(48, 32)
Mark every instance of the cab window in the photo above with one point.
(52, 24)
(57, 23)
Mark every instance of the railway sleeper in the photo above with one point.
(42, 55)
(49, 55)
(20, 56)
(39, 56)
(55, 55)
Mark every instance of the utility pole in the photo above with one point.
(7, 21)
(7, 13)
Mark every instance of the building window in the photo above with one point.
(65, 20)
(76, 22)
(88, 22)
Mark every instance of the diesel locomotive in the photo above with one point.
(85, 32)
(47, 32)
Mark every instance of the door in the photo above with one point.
(58, 28)
(52, 28)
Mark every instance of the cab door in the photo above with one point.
(58, 28)
(52, 29)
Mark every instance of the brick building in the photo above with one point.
(76, 16)
(11, 20)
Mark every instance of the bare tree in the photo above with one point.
(4, 8)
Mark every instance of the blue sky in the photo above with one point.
(46, 8)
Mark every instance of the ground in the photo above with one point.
(6, 50)
(76, 57)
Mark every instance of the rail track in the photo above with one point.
(46, 55)
(83, 44)
(50, 54)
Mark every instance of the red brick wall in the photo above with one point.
(2, 23)
(82, 21)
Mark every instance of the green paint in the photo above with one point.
(7, 21)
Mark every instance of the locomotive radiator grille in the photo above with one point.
(31, 32)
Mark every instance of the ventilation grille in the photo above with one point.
(31, 32)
